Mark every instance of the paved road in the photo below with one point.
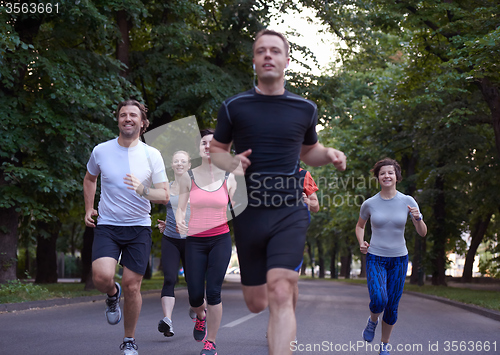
(330, 315)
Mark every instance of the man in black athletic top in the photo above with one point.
(272, 130)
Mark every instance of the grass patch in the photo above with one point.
(19, 291)
(481, 298)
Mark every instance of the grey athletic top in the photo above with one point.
(388, 219)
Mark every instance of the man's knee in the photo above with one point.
(102, 278)
(131, 287)
(281, 291)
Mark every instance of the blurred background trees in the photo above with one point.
(416, 81)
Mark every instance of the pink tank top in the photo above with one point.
(208, 210)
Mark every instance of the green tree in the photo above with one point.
(59, 85)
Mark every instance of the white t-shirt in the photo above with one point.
(120, 206)
(388, 219)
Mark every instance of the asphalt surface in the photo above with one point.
(330, 318)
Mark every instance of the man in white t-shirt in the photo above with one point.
(132, 176)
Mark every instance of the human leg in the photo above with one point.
(281, 287)
(105, 253)
(131, 284)
(170, 257)
(171, 249)
(103, 275)
(136, 249)
(196, 261)
(376, 276)
(396, 274)
(218, 261)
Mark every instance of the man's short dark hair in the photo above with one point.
(142, 109)
(272, 33)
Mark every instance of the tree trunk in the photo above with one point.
(345, 264)
(149, 270)
(88, 240)
(311, 257)
(333, 262)
(8, 244)
(439, 247)
(321, 259)
(123, 45)
(491, 95)
(478, 232)
(46, 257)
(408, 164)
(362, 273)
(418, 272)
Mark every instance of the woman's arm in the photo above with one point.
(231, 187)
(360, 235)
(418, 221)
(180, 215)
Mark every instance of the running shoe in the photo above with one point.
(113, 311)
(209, 348)
(369, 332)
(384, 349)
(129, 347)
(200, 329)
(165, 326)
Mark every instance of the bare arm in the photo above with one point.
(221, 157)
(420, 225)
(360, 235)
(312, 202)
(231, 187)
(184, 183)
(159, 194)
(89, 189)
(318, 155)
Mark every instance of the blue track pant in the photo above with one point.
(386, 278)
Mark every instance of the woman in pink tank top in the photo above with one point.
(208, 242)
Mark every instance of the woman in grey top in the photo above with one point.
(173, 244)
(386, 254)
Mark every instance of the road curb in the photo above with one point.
(23, 306)
(490, 313)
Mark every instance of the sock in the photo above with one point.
(116, 293)
(127, 339)
(165, 320)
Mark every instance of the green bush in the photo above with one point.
(17, 291)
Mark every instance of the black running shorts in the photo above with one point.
(133, 242)
(268, 238)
